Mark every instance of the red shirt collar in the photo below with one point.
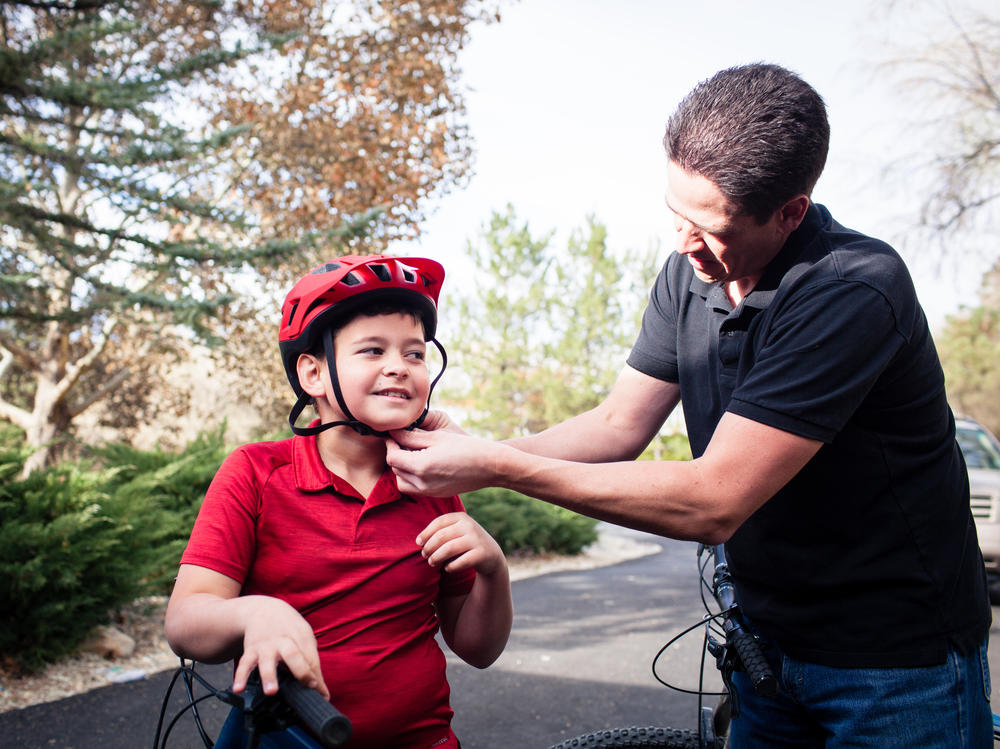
(312, 476)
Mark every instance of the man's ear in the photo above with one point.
(310, 372)
(790, 215)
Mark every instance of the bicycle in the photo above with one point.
(731, 646)
(737, 649)
(293, 708)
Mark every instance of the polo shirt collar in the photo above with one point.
(312, 476)
(763, 293)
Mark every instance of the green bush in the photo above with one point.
(161, 493)
(78, 542)
(520, 523)
(64, 561)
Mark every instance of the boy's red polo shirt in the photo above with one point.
(279, 522)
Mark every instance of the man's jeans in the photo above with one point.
(938, 707)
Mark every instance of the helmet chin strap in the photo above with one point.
(358, 426)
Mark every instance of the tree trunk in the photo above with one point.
(41, 432)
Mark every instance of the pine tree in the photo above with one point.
(544, 332)
(145, 178)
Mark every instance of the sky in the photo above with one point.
(567, 102)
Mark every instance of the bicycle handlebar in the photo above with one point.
(329, 725)
(746, 645)
(293, 703)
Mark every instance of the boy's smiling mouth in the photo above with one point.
(400, 394)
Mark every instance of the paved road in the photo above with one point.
(578, 659)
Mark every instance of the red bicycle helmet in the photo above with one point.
(335, 291)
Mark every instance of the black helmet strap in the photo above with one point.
(353, 423)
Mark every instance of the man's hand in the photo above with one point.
(441, 463)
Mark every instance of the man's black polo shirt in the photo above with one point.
(869, 557)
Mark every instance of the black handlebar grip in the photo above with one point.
(330, 726)
(756, 666)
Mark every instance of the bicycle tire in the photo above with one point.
(649, 737)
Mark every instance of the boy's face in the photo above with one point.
(382, 370)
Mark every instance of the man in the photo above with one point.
(824, 448)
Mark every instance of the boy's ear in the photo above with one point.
(310, 372)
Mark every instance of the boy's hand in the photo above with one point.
(458, 542)
(274, 632)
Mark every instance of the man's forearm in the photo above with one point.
(590, 437)
(619, 428)
(662, 497)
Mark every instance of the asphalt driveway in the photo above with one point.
(578, 659)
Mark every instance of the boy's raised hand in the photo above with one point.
(458, 542)
(276, 633)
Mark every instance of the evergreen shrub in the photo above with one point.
(520, 523)
(78, 541)
(162, 493)
(64, 559)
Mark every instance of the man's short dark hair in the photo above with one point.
(758, 132)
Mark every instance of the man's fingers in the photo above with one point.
(416, 439)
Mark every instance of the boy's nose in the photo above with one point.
(394, 367)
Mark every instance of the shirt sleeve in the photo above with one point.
(824, 352)
(655, 350)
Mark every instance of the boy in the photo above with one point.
(305, 553)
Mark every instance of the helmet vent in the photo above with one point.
(381, 271)
(408, 275)
(291, 314)
(326, 268)
(351, 279)
(316, 303)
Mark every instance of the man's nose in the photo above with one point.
(688, 237)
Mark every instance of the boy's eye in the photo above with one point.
(419, 355)
(372, 350)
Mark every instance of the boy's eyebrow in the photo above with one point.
(383, 339)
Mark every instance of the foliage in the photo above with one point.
(81, 539)
(168, 489)
(78, 541)
(520, 523)
(969, 346)
(543, 333)
(157, 158)
(65, 559)
(668, 446)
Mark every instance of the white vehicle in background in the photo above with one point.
(982, 457)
